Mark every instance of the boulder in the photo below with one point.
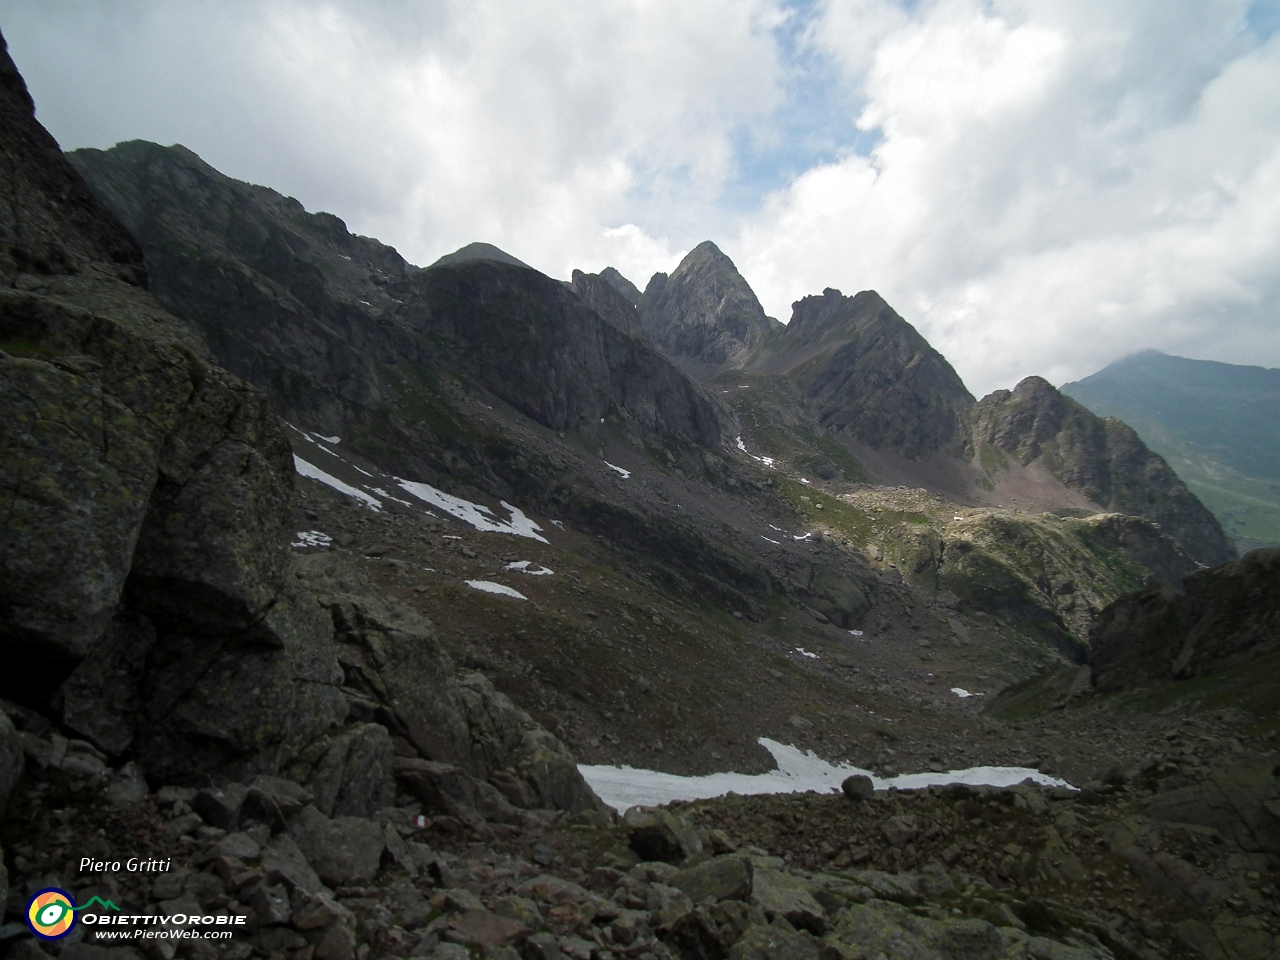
(282, 861)
(783, 895)
(220, 806)
(886, 929)
(775, 941)
(655, 834)
(858, 787)
(11, 759)
(341, 850)
(722, 878)
(349, 773)
(275, 799)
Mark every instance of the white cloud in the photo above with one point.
(1053, 183)
(540, 126)
(1057, 184)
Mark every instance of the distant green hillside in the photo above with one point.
(1218, 425)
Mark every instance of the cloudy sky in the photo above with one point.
(1040, 186)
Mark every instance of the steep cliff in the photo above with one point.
(704, 316)
(149, 602)
(328, 323)
(866, 374)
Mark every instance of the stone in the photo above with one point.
(238, 845)
(722, 878)
(12, 757)
(775, 941)
(890, 929)
(349, 774)
(858, 787)
(488, 929)
(128, 787)
(275, 799)
(220, 806)
(655, 834)
(181, 826)
(271, 904)
(783, 895)
(320, 910)
(901, 830)
(283, 861)
(340, 850)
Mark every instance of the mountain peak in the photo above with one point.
(704, 315)
(479, 251)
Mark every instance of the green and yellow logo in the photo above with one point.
(51, 913)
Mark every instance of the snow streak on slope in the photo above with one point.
(623, 787)
(315, 473)
(476, 514)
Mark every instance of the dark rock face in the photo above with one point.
(607, 300)
(1227, 615)
(147, 592)
(149, 491)
(1102, 459)
(867, 374)
(630, 292)
(317, 317)
(704, 316)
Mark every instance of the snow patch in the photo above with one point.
(529, 567)
(623, 787)
(855, 633)
(962, 693)
(334, 440)
(774, 542)
(767, 461)
(476, 514)
(501, 589)
(619, 470)
(312, 538)
(805, 653)
(805, 536)
(315, 473)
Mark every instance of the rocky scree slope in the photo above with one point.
(150, 610)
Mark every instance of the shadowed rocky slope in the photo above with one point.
(148, 598)
(866, 374)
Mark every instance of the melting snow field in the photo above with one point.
(476, 514)
(488, 586)
(623, 787)
(621, 471)
(962, 693)
(312, 538)
(315, 473)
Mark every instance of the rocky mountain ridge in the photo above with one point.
(673, 591)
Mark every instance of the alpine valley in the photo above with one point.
(321, 573)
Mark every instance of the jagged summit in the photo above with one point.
(869, 375)
(606, 299)
(479, 251)
(704, 315)
(620, 283)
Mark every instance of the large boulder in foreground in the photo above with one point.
(144, 553)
